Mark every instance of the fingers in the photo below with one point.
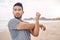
(43, 27)
(38, 14)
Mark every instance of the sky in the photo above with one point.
(47, 8)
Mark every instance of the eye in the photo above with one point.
(19, 9)
(15, 9)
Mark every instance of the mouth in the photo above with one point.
(17, 15)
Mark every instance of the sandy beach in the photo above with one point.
(52, 32)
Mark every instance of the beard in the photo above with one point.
(18, 17)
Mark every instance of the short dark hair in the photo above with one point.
(18, 4)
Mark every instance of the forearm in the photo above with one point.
(23, 26)
(35, 31)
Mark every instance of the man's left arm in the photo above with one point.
(35, 30)
(41, 26)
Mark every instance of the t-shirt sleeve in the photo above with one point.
(12, 24)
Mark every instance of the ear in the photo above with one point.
(23, 12)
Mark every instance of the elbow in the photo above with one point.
(18, 28)
(35, 35)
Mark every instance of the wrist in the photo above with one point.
(37, 21)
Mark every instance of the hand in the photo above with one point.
(42, 27)
(37, 15)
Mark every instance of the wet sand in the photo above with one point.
(52, 33)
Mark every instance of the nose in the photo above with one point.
(17, 11)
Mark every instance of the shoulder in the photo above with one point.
(13, 20)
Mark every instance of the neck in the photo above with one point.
(20, 19)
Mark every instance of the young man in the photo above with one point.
(21, 30)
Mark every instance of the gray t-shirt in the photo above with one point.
(17, 34)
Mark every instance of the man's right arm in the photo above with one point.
(23, 25)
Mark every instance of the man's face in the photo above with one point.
(18, 12)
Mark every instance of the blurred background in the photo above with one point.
(50, 17)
